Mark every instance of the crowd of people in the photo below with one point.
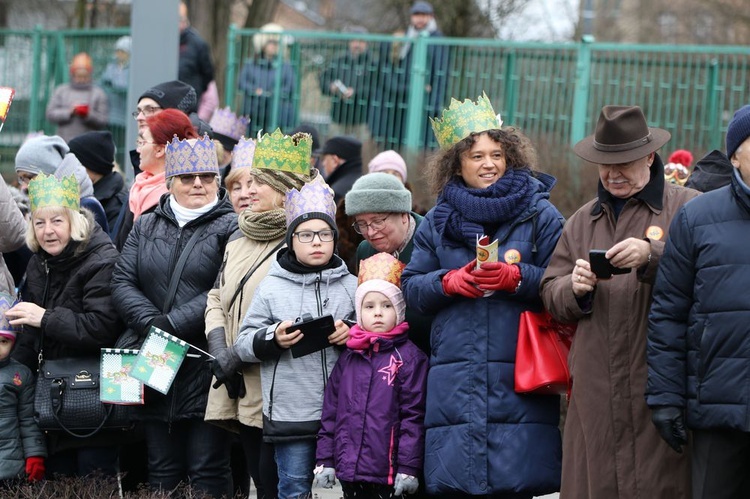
(344, 335)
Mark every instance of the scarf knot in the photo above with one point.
(462, 212)
(359, 339)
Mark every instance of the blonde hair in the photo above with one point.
(81, 224)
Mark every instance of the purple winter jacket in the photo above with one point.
(372, 424)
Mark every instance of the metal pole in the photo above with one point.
(154, 55)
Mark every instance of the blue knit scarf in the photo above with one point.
(462, 212)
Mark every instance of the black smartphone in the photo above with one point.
(601, 266)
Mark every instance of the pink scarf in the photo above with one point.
(359, 339)
(146, 191)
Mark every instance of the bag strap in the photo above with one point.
(180, 266)
(56, 392)
(251, 272)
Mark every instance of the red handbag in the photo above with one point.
(542, 354)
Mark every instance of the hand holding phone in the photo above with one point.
(601, 266)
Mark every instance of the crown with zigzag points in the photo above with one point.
(225, 122)
(314, 197)
(191, 156)
(48, 190)
(383, 266)
(461, 119)
(243, 153)
(277, 151)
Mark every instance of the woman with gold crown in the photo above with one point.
(483, 438)
(67, 308)
(168, 264)
(265, 170)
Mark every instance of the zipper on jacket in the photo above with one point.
(270, 394)
(319, 303)
(175, 256)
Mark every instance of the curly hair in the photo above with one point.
(446, 165)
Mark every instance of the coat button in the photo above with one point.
(483, 485)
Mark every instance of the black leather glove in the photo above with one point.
(233, 381)
(162, 322)
(227, 365)
(670, 424)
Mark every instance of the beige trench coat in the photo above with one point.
(241, 255)
(611, 449)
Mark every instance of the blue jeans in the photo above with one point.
(188, 451)
(295, 461)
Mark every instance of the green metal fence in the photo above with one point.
(552, 91)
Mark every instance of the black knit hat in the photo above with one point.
(95, 151)
(347, 148)
(173, 95)
(738, 130)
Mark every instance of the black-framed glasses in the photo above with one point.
(206, 178)
(307, 236)
(146, 110)
(376, 225)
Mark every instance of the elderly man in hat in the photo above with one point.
(341, 162)
(698, 346)
(610, 447)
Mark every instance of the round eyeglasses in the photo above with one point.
(376, 225)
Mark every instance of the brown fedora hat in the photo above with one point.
(622, 135)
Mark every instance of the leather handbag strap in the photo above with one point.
(56, 393)
(251, 272)
(179, 267)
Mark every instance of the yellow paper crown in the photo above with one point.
(464, 118)
(47, 190)
(277, 151)
(381, 266)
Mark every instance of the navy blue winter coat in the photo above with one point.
(698, 342)
(481, 437)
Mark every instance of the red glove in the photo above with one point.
(81, 110)
(460, 282)
(497, 276)
(35, 468)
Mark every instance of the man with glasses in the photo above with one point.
(381, 207)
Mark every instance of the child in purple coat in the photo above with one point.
(372, 428)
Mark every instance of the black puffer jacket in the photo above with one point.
(74, 287)
(139, 287)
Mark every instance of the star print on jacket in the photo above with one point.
(391, 370)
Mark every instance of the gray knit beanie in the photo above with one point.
(378, 193)
(71, 166)
(41, 155)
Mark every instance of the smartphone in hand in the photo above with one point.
(601, 266)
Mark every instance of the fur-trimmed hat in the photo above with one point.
(378, 193)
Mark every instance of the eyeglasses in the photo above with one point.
(307, 236)
(142, 142)
(376, 225)
(206, 178)
(146, 110)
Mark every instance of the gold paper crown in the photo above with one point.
(464, 118)
(47, 190)
(277, 151)
(381, 266)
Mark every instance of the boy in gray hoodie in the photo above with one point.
(306, 278)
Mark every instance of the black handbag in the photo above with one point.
(67, 399)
